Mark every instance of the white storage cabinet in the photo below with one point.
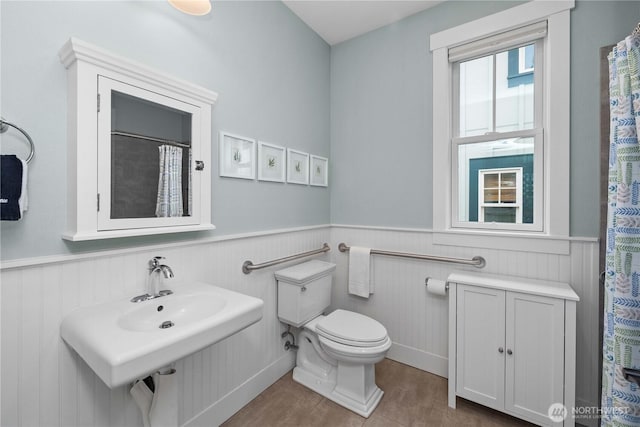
(512, 344)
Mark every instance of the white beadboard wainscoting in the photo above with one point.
(44, 383)
(417, 321)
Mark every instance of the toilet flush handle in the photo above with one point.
(303, 289)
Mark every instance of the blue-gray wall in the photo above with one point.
(270, 70)
(594, 24)
(381, 114)
(366, 103)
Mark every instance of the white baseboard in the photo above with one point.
(420, 359)
(228, 405)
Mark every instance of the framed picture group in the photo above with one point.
(241, 157)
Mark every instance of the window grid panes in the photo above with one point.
(500, 195)
(498, 125)
(494, 98)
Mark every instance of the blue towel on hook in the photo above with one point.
(10, 187)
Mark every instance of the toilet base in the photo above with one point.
(361, 401)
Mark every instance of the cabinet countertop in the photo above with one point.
(516, 284)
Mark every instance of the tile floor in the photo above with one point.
(411, 398)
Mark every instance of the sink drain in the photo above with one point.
(166, 324)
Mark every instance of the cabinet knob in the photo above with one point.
(509, 352)
(500, 350)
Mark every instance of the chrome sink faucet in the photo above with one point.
(157, 273)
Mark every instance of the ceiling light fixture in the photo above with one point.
(192, 7)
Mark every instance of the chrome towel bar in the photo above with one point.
(476, 261)
(3, 128)
(248, 266)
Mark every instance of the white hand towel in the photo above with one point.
(23, 201)
(359, 272)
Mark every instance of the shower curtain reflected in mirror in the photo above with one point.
(169, 203)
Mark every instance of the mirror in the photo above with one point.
(143, 133)
(147, 148)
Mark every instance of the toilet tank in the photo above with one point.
(304, 291)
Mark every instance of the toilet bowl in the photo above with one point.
(353, 337)
(336, 352)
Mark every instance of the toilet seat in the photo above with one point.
(353, 353)
(352, 329)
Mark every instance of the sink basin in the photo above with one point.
(123, 341)
(178, 309)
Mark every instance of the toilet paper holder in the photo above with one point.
(426, 283)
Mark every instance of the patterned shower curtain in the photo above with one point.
(621, 349)
(169, 202)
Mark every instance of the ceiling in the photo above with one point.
(339, 20)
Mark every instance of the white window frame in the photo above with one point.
(536, 133)
(555, 159)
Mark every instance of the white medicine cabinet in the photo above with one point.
(139, 148)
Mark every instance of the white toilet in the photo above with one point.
(337, 352)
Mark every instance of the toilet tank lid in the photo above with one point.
(305, 272)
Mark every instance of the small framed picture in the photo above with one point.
(318, 171)
(297, 167)
(271, 162)
(237, 156)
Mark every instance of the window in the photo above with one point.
(490, 99)
(501, 106)
(500, 195)
(497, 124)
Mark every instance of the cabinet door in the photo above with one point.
(137, 128)
(480, 345)
(535, 366)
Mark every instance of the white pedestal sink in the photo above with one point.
(123, 341)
